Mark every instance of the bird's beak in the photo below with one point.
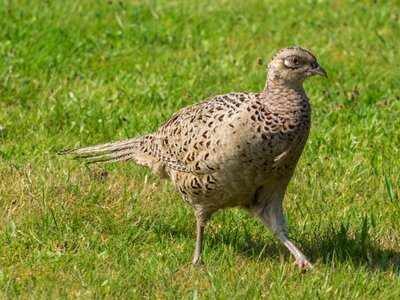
(319, 71)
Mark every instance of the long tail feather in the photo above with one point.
(106, 153)
(109, 160)
(100, 148)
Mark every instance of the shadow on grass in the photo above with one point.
(329, 246)
(327, 250)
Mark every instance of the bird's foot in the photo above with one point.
(196, 260)
(303, 263)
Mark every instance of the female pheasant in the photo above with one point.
(237, 149)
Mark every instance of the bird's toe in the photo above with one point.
(304, 264)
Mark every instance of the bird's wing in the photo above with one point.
(192, 139)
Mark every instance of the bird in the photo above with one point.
(232, 150)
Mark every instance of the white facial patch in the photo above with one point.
(293, 62)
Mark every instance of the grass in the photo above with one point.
(77, 73)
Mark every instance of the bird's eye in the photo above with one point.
(293, 62)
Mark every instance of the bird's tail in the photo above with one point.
(107, 153)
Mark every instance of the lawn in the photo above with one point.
(77, 73)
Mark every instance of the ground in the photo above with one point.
(77, 73)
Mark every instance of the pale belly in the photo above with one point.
(239, 177)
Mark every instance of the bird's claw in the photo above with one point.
(304, 264)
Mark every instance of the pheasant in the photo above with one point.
(233, 150)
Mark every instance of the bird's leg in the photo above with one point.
(301, 260)
(202, 217)
(268, 208)
(199, 243)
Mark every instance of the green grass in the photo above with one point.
(77, 73)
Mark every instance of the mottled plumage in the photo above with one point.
(238, 149)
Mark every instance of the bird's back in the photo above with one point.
(220, 151)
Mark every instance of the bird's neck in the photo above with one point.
(281, 85)
(285, 95)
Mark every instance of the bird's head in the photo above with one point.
(293, 65)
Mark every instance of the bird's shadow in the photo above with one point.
(325, 247)
(326, 250)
